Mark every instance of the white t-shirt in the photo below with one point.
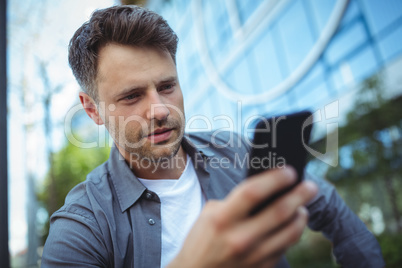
(181, 204)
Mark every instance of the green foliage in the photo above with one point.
(369, 174)
(71, 166)
(391, 245)
(313, 251)
(372, 138)
(374, 152)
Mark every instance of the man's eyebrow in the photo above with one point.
(168, 79)
(135, 89)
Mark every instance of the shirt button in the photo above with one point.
(148, 196)
(151, 221)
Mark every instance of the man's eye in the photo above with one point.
(166, 87)
(131, 97)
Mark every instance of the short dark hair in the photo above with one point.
(126, 25)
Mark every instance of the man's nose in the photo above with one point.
(157, 108)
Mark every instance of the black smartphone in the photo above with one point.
(279, 141)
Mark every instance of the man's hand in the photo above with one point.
(225, 235)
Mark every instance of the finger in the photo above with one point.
(277, 243)
(285, 207)
(255, 190)
(270, 262)
(277, 214)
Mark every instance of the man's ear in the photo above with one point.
(90, 108)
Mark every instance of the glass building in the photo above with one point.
(244, 58)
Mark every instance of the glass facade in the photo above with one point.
(271, 57)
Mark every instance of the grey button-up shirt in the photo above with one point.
(112, 220)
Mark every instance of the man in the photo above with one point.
(159, 200)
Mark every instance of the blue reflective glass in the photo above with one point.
(314, 96)
(223, 26)
(168, 15)
(337, 80)
(199, 122)
(352, 11)
(211, 14)
(356, 69)
(278, 106)
(181, 67)
(193, 97)
(199, 117)
(186, 43)
(197, 71)
(391, 45)
(223, 46)
(296, 34)
(180, 6)
(217, 34)
(316, 71)
(322, 11)
(217, 102)
(254, 75)
(191, 61)
(345, 41)
(210, 36)
(364, 64)
(279, 50)
(184, 25)
(266, 62)
(239, 78)
(313, 90)
(198, 77)
(212, 111)
(250, 113)
(223, 17)
(246, 8)
(381, 13)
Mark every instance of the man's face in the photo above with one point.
(140, 100)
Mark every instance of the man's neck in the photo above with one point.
(171, 168)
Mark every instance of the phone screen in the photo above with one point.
(279, 141)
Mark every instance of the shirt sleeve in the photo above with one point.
(74, 241)
(354, 245)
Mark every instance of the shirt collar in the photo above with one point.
(128, 188)
(196, 150)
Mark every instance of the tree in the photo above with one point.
(69, 167)
(368, 175)
(370, 170)
(373, 145)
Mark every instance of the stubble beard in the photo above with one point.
(143, 149)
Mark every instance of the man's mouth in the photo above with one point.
(160, 135)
